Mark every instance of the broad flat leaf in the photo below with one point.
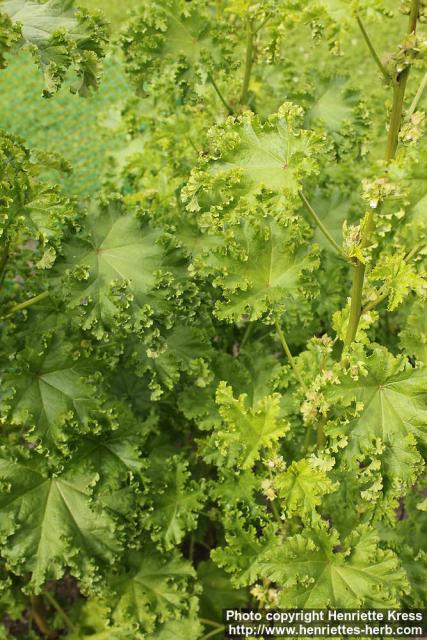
(152, 588)
(49, 522)
(60, 38)
(51, 393)
(245, 432)
(313, 573)
(394, 413)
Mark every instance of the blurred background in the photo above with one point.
(66, 124)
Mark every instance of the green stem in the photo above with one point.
(24, 305)
(213, 633)
(289, 355)
(219, 94)
(321, 439)
(70, 626)
(399, 88)
(3, 262)
(276, 512)
(248, 62)
(38, 615)
(356, 302)
(399, 92)
(191, 548)
(320, 224)
(247, 334)
(414, 14)
(417, 97)
(211, 623)
(372, 50)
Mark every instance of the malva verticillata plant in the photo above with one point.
(213, 374)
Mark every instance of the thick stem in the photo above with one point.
(320, 224)
(399, 88)
(220, 96)
(289, 355)
(372, 50)
(248, 62)
(356, 302)
(357, 287)
(414, 14)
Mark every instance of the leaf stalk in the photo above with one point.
(219, 94)
(49, 597)
(374, 54)
(320, 224)
(249, 60)
(24, 305)
(289, 355)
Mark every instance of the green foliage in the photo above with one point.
(213, 371)
(59, 38)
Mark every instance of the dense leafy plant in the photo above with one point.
(214, 373)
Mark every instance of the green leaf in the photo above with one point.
(302, 486)
(413, 336)
(186, 627)
(52, 393)
(251, 159)
(264, 268)
(60, 38)
(245, 432)
(316, 572)
(119, 270)
(392, 415)
(176, 500)
(218, 593)
(150, 589)
(30, 208)
(171, 45)
(49, 522)
(398, 278)
(243, 553)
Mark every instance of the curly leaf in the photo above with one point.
(315, 572)
(49, 522)
(60, 38)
